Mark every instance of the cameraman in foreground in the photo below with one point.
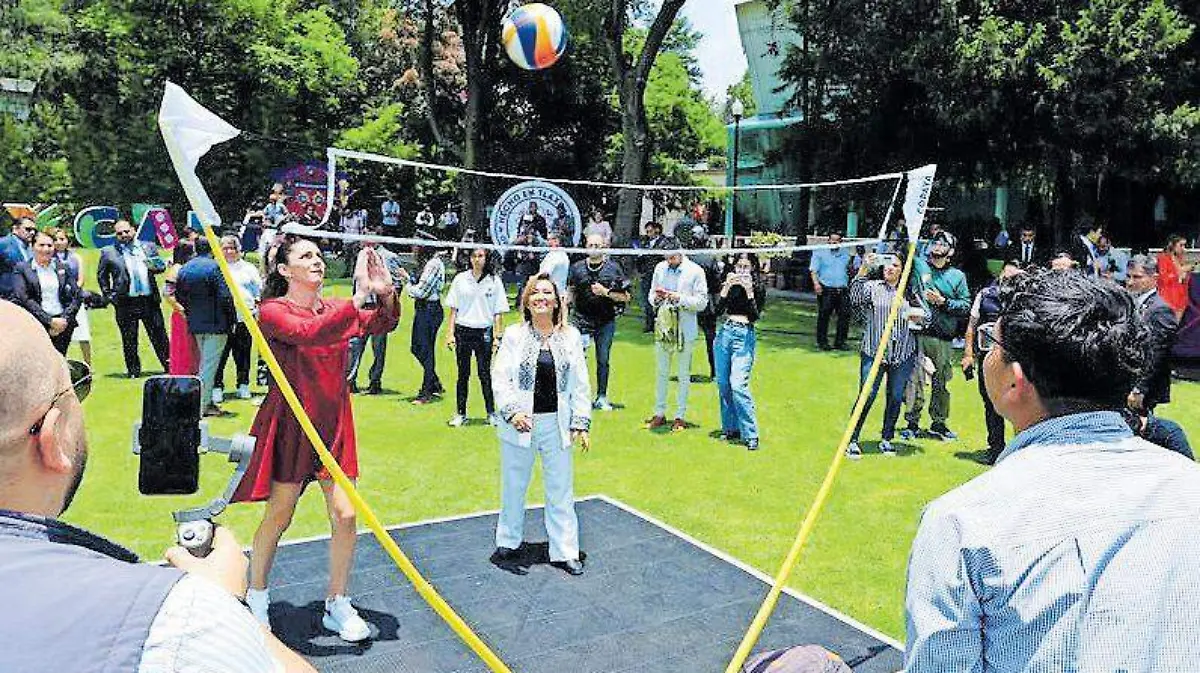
(1080, 549)
(75, 601)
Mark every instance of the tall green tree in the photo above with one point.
(631, 72)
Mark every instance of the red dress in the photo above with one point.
(312, 348)
(1172, 290)
(185, 354)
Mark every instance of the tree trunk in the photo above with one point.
(631, 81)
(478, 19)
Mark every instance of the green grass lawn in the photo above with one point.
(748, 505)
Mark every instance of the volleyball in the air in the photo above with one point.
(534, 36)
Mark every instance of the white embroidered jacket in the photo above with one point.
(513, 374)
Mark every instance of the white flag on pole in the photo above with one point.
(190, 130)
(916, 198)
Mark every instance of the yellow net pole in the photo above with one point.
(814, 510)
(423, 587)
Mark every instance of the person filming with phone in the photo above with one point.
(73, 596)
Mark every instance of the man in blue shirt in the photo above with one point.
(1080, 549)
(211, 315)
(15, 248)
(830, 269)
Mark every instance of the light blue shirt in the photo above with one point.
(832, 266)
(135, 264)
(1078, 551)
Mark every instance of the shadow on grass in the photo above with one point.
(980, 457)
(903, 449)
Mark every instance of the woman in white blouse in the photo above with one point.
(543, 394)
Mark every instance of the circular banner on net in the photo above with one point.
(528, 212)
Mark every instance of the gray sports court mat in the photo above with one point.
(650, 600)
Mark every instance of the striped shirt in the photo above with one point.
(872, 302)
(1079, 551)
(200, 628)
(429, 285)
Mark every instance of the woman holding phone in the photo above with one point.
(310, 336)
(740, 300)
(871, 300)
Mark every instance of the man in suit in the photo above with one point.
(1154, 384)
(15, 248)
(125, 275)
(652, 240)
(1029, 252)
(1085, 248)
(49, 291)
(208, 303)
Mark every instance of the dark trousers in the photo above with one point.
(427, 320)
(647, 279)
(898, 375)
(603, 337)
(63, 341)
(470, 341)
(993, 420)
(708, 324)
(239, 345)
(129, 312)
(833, 300)
(378, 354)
(1167, 434)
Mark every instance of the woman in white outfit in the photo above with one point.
(540, 380)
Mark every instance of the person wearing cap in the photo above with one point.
(678, 292)
(943, 289)
(1080, 549)
(830, 270)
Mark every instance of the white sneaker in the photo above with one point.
(853, 451)
(494, 420)
(602, 404)
(886, 448)
(457, 421)
(341, 618)
(218, 395)
(243, 392)
(259, 600)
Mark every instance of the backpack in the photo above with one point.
(797, 659)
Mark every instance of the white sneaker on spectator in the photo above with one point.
(457, 421)
(259, 600)
(243, 392)
(853, 451)
(886, 448)
(218, 395)
(341, 618)
(602, 404)
(494, 420)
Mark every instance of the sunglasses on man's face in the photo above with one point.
(81, 383)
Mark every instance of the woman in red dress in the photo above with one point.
(1174, 273)
(185, 355)
(310, 337)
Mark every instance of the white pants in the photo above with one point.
(683, 365)
(516, 469)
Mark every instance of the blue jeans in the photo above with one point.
(734, 356)
(427, 319)
(378, 353)
(898, 375)
(603, 336)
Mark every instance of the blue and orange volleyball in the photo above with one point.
(534, 36)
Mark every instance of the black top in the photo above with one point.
(592, 310)
(738, 303)
(545, 388)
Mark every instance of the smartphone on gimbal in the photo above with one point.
(170, 436)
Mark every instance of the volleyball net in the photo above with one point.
(528, 211)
